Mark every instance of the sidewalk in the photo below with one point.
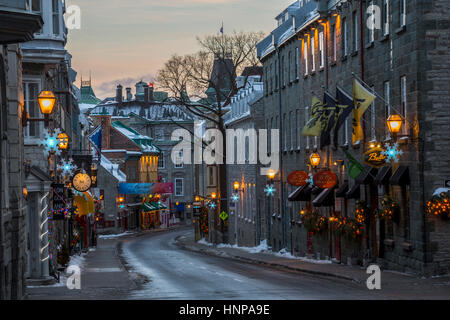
(393, 283)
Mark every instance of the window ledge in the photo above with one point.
(313, 72)
(343, 58)
(384, 38)
(369, 45)
(333, 63)
(297, 80)
(305, 76)
(354, 53)
(298, 150)
(321, 69)
(400, 30)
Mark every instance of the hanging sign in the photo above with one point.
(58, 201)
(325, 179)
(375, 157)
(298, 178)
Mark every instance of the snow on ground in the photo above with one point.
(115, 236)
(263, 248)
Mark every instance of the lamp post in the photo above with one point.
(47, 101)
(271, 177)
(236, 186)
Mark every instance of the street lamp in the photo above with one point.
(271, 174)
(47, 101)
(394, 123)
(214, 195)
(314, 159)
(236, 186)
(63, 141)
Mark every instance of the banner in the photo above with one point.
(314, 125)
(344, 107)
(146, 188)
(328, 120)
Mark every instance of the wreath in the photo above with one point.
(353, 229)
(389, 209)
(314, 222)
(362, 210)
(338, 225)
(439, 205)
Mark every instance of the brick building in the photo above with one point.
(319, 45)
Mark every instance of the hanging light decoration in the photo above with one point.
(50, 143)
(270, 190)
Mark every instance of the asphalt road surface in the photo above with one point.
(174, 273)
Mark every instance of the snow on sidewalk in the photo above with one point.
(115, 236)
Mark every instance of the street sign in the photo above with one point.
(447, 183)
(223, 216)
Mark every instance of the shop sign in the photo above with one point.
(375, 157)
(298, 178)
(325, 179)
(58, 201)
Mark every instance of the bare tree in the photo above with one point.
(204, 82)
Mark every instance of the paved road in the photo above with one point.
(174, 273)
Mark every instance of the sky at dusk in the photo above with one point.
(123, 41)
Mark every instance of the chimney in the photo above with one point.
(151, 91)
(146, 96)
(129, 95)
(119, 96)
(106, 131)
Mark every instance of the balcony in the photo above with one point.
(17, 24)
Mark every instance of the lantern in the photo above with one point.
(271, 174)
(63, 141)
(46, 100)
(394, 123)
(315, 159)
(236, 185)
(214, 195)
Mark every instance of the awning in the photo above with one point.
(325, 198)
(367, 176)
(354, 192)
(148, 207)
(400, 177)
(342, 191)
(316, 190)
(383, 175)
(302, 193)
(158, 206)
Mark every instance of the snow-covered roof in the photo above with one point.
(113, 169)
(144, 142)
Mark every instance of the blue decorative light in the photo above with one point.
(50, 143)
(392, 152)
(67, 167)
(270, 190)
(212, 205)
(235, 197)
(310, 180)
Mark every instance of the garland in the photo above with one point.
(389, 208)
(350, 228)
(439, 205)
(314, 222)
(361, 211)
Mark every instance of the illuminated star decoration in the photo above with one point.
(235, 197)
(212, 205)
(50, 143)
(392, 152)
(67, 167)
(270, 190)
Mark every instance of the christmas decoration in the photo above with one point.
(68, 168)
(235, 197)
(270, 190)
(204, 221)
(314, 222)
(392, 152)
(212, 205)
(439, 205)
(50, 143)
(361, 211)
(389, 209)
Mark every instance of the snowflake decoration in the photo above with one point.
(67, 167)
(212, 205)
(235, 197)
(310, 180)
(50, 143)
(270, 190)
(392, 152)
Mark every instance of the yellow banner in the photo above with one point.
(362, 99)
(315, 125)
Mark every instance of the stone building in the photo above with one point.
(321, 45)
(17, 25)
(245, 113)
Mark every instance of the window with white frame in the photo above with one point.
(334, 43)
(297, 60)
(161, 161)
(387, 107)
(305, 56)
(306, 121)
(371, 33)
(31, 92)
(403, 102)
(283, 71)
(355, 31)
(290, 66)
(298, 128)
(56, 24)
(35, 6)
(385, 20)
(179, 187)
(344, 37)
(373, 119)
(285, 131)
(402, 13)
(321, 50)
(313, 57)
(292, 126)
(179, 160)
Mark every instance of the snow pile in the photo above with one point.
(204, 242)
(115, 236)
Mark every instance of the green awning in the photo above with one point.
(158, 206)
(148, 207)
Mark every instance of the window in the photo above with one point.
(387, 107)
(373, 119)
(161, 162)
(333, 27)
(271, 77)
(283, 72)
(371, 33)
(297, 58)
(159, 134)
(285, 132)
(355, 31)
(179, 187)
(293, 127)
(344, 37)
(298, 129)
(385, 20)
(179, 161)
(305, 56)
(277, 70)
(35, 6)
(402, 13)
(313, 58)
(131, 173)
(346, 135)
(306, 121)
(321, 50)
(56, 30)
(403, 102)
(289, 66)
(31, 92)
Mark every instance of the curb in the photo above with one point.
(255, 261)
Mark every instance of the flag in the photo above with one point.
(314, 125)
(344, 107)
(354, 168)
(362, 98)
(96, 138)
(328, 120)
